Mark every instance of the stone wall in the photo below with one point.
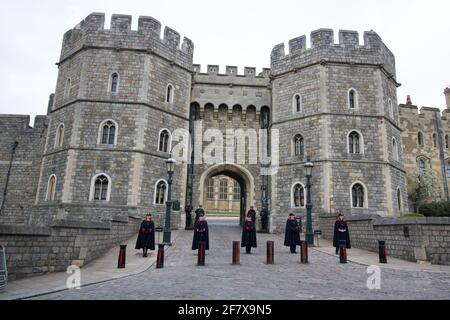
(33, 251)
(417, 239)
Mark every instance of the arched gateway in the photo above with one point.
(240, 174)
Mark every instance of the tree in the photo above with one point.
(423, 188)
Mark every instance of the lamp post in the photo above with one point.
(167, 229)
(309, 229)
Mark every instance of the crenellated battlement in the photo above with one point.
(323, 49)
(232, 71)
(91, 32)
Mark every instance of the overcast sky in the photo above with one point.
(227, 32)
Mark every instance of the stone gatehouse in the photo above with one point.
(100, 151)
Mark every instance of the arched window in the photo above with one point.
(101, 188)
(108, 134)
(358, 196)
(210, 191)
(447, 142)
(223, 190)
(434, 140)
(421, 166)
(169, 93)
(59, 136)
(395, 149)
(399, 199)
(354, 143)
(297, 103)
(299, 145)
(51, 188)
(164, 141)
(237, 191)
(448, 168)
(420, 139)
(298, 196)
(160, 192)
(352, 99)
(67, 88)
(391, 109)
(114, 83)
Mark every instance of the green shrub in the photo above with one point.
(435, 209)
(412, 215)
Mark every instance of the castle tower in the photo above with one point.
(117, 91)
(336, 103)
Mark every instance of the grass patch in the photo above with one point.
(412, 215)
(223, 214)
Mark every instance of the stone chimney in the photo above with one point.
(408, 100)
(447, 96)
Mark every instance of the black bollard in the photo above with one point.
(160, 257)
(304, 252)
(382, 251)
(236, 253)
(122, 257)
(201, 253)
(270, 253)
(342, 251)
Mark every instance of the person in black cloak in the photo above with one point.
(264, 219)
(146, 237)
(201, 233)
(252, 213)
(341, 232)
(292, 234)
(199, 213)
(249, 235)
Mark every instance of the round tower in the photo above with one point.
(337, 105)
(119, 93)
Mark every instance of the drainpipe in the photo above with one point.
(442, 155)
(13, 152)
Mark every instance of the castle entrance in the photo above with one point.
(227, 190)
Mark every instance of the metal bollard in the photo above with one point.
(3, 269)
(236, 253)
(122, 257)
(382, 251)
(304, 252)
(270, 253)
(160, 257)
(201, 254)
(342, 251)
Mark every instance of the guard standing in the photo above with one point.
(201, 233)
(341, 232)
(264, 219)
(292, 233)
(146, 237)
(252, 214)
(249, 235)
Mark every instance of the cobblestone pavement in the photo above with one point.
(322, 278)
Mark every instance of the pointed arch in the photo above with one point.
(359, 195)
(160, 192)
(51, 188)
(59, 138)
(108, 132)
(100, 187)
(352, 99)
(298, 195)
(164, 140)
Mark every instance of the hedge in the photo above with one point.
(435, 209)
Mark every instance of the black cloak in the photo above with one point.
(252, 214)
(249, 235)
(201, 234)
(338, 236)
(292, 233)
(146, 238)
